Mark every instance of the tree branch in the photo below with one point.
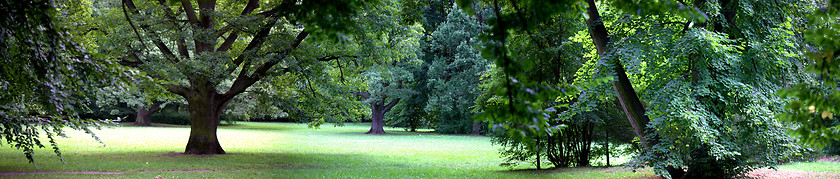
(190, 10)
(181, 42)
(252, 4)
(243, 81)
(328, 58)
(364, 95)
(132, 24)
(156, 39)
(255, 44)
(392, 104)
(178, 89)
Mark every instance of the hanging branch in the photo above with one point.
(125, 12)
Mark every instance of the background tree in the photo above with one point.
(454, 73)
(385, 90)
(386, 49)
(722, 89)
(411, 114)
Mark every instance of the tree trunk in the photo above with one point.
(143, 115)
(377, 123)
(627, 97)
(476, 127)
(142, 118)
(625, 93)
(205, 114)
(377, 112)
(607, 145)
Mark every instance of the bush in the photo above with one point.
(833, 148)
(176, 118)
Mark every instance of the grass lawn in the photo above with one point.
(281, 150)
(285, 150)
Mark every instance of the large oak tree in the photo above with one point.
(210, 51)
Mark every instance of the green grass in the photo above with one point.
(283, 150)
(829, 167)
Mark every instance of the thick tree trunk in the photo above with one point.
(377, 123)
(377, 112)
(205, 114)
(143, 115)
(142, 118)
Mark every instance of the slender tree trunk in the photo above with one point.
(625, 93)
(538, 153)
(627, 97)
(607, 145)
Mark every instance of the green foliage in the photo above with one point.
(815, 102)
(411, 113)
(705, 71)
(386, 83)
(454, 72)
(710, 85)
(46, 77)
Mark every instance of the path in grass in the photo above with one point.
(280, 150)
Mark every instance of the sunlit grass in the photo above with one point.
(830, 167)
(284, 150)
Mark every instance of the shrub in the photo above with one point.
(166, 117)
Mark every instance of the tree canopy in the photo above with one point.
(706, 88)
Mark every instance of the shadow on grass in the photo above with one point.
(268, 126)
(133, 162)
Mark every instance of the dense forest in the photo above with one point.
(691, 88)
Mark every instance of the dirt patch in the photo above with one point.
(789, 174)
(829, 159)
(176, 154)
(126, 124)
